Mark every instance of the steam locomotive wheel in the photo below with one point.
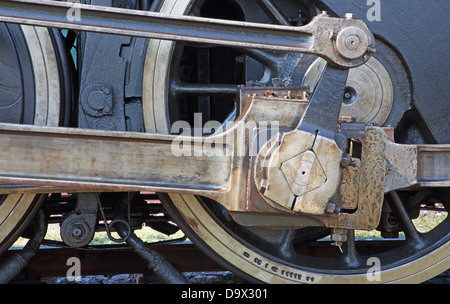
(269, 255)
(31, 91)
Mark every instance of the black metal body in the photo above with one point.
(111, 78)
(17, 101)
(416, 31)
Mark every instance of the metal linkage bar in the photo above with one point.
(417, 165)
(324, 36)
(87, 160)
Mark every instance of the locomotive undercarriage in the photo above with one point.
(288, 162)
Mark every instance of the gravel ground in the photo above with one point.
(220, 277)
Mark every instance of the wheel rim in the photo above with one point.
(216, 235)
(41, 88)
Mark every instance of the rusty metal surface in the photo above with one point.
(308, 158)
(71, 159)
(370, 186)
(293, 176)
(417, 166)
(349, 187)
(433, 165)
(79, 160)
(372, 177)
(401, 166)
(324, 36)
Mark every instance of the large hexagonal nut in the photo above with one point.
(303, 173)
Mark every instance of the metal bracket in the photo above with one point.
(78, 227)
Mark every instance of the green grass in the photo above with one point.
(146, 234)
(428, 220)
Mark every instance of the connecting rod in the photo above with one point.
(345, 43)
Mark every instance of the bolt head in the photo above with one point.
(331, 207)
(96, 100)
(78, 232)
(352, 42)
(339, 237)
(106, 90)
(350, 16)
(264, 185)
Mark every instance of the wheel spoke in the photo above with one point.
(204, 76)
(178, 88)
(276, 65)
(411, 234)
(286, 242)
(266, 58)
(273, 12)
(351, 256)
